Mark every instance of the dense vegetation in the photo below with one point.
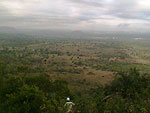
(100, 75)
(128, 93)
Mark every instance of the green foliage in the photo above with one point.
(28, 99)
(86, 105)
(2, 69)
(128, 93)
(35, 94)
(115, 105)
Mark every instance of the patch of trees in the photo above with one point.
(128, 93)
(32, 94)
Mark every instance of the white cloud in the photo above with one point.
(75, 14)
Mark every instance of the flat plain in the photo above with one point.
(83, 63)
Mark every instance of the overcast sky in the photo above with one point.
(76, 14)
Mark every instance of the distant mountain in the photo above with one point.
(4, 29)
(74, 34)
